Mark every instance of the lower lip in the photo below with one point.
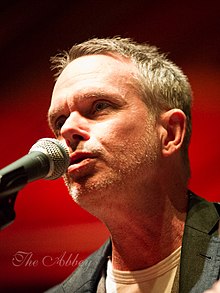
(83, 165)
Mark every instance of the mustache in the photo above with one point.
(92, 146)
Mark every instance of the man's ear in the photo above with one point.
(172, 131)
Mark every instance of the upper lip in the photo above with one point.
(79, 156)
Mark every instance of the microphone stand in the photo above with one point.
(7, 212)
(10, 184)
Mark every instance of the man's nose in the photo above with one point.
(75, 129)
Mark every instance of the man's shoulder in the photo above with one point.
(86, 277)
(199, 264)
(202, 214)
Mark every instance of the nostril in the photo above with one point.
(77, 137)
(75, 140)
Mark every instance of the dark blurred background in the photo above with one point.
(51, 235)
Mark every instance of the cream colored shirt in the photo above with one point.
(158, 278)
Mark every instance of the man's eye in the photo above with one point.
(99, 106)
(59, 123)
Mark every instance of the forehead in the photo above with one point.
(95, 68)
(94, 76)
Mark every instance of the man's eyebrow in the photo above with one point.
(92, 95)
(102, 95)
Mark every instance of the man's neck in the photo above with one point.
(137, 250)
(140, 240)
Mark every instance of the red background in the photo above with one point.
(48, 223)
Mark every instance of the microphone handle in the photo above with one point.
(15, 176)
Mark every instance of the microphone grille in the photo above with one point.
(57, 154)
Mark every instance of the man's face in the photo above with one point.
(97, 110)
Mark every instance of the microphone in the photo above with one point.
(48, 158)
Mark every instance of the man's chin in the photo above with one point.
(89, 189)
(79, 188)
(87, 198)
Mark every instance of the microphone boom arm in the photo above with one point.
(11, 181)
(10, 184)
(7, 212)
(48, 158)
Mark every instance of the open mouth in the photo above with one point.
(78, 157)
(78, 160)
